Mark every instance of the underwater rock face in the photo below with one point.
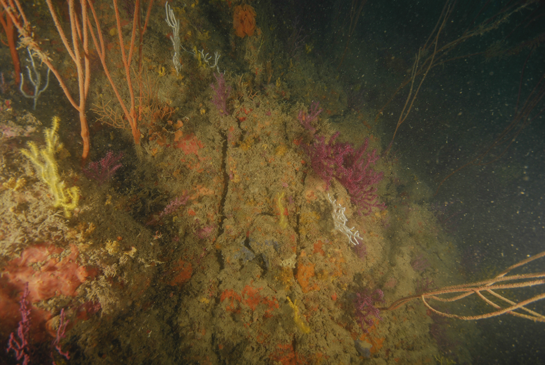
(262, 203)
(363, 348)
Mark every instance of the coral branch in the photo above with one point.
(21, 347)
(221, 94)
(61, 333)
(365, 308)
(306, 119)
(171, 207)
(47, 168)
(77, 49)
(103, 170)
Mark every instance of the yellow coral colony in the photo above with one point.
(297, 318)
(46, 166)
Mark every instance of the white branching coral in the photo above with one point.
(340, 222)
(175, 37)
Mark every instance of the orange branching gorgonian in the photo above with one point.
(244, 20)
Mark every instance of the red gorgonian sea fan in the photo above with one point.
(351, 167)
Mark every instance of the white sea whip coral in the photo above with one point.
(175, 37)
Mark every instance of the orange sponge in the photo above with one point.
(244, 21)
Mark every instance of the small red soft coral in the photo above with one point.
(244, 21)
